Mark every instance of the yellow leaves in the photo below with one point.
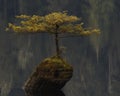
(54, 18)
(30, 29)
(13, 27)
(23, 17)
(32, 20)
(71, 19)
(86, 33)
(28, 24)
(25, 23)
(89, 32)
(78, 27)
(60, 18)
(60, 21)
(97, 31)
(69, 28)
(36, 19)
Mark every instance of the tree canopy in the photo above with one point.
(56, 21)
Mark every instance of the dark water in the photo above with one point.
(95, 59)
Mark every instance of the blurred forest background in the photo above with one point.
(95, 59)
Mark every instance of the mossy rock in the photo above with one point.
(52, 73)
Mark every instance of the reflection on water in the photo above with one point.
(47, 93)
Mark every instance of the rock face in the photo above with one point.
(47, 93)
(52, 73)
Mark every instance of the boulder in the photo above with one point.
(52, 73)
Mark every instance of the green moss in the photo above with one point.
(56, 62)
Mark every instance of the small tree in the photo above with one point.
(58, 70)
(57, 23)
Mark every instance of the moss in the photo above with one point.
(55, 61)
(52, 72)
(54, 67)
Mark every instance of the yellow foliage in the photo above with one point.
(23, 17)
(56, 21)
(60, 18)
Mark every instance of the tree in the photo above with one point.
(57, 23)
(60, 24)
